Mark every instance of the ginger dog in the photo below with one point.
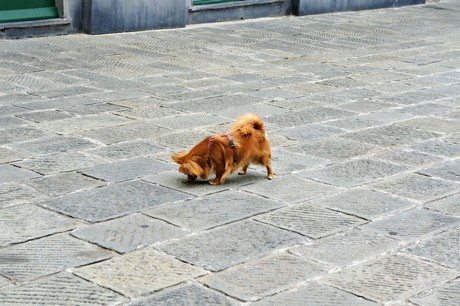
(224, 154)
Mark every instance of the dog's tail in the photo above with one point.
(248, 124)
(179, 157)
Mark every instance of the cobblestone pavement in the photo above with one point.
(363, 114)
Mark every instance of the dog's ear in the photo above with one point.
(179, 157)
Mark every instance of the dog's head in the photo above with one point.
(189, 166)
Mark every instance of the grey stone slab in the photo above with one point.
(150, 112)
(52, 164)
(65, 104)
(413, 224)
(426, 109)
(31, 260)
(63, 183)
(417, 187)
(185, 122)
(364, 203)
(366, 105)
(4, 282)
(213, 210)
(60, 289)
(44, 116)
(390, 278)
(390, 136)
(8, 155)
(262, 110)
(65, 92)
(127, 170)
(433, 124)
(316, 294)
(348, 248)
(16, 193)
(449, 294)
(254, 280)
(192, 293)
(216, 103)
(53, 144)
(335, 149)
(354, 123)
(11, 110)
(11, 121)
(124, 133)
(221, 248)
(15, 134)
(128, 233)
(140, 273)
(449, 170)
(10, 173)
(299, 189)
(115, 200)
(410, 158)
(441, 248)
(307, 133)
(308, 115)
(126, 150)
(95, 108)
(182, 140)
(286, 162)
(310, 220)
(439, 148)
(25, 222)
(448, 205)
(355, 172)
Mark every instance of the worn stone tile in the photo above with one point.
(4, 283)
(354, 123)
(11, 121)
(287, 162)
(54, 163)
(308, 133)
(221, 248)
(441, 248)
(127, 170)
(128, 233)
(306, 116)
(31, 260)
(364, 203)
(25, 222)
(60, 289)
(348, 248)
(449, 294)
(316, 294)
(389, 278)
(449, 170)
(8, 155)
(448, 205)
(124, 133)
(213, 210)
(216, 103)
(192, 293)
(114, 200)
(65, 92)
(16, 193)
(426, 109)
(149, 112)
(417, 187)
(53, 144)
(310, 220)
(355, 172)
(140, 273)
(44, 116)
(366, 105)
(20, 133)
(433, 124)
(299, 189)
(10, 173)
(439, 148)
(413, 224)
(410, 158)
(254, 280)
(190, 121)
(264, 111)
(63, 183)
(390, 136)
(126, 150)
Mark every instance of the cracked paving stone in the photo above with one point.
(316, 294)
(443, 248)
(449, 170)
(17, 226)
(449, 294)
(390, 278)
(27, 261)
(417, 187)
(192, 293)
(346, 248)
(299, 189)
(114, 200)
(227, 246)
(128, 233)
(413, 224)
(60, 289)
(354, 172)
(448, 205)
(15, 193)
(253, 280)
(364, 203)
(126, 170)
(213, 210)
(10, 173)
(310, 220)
(140, 272)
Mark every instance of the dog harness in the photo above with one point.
(231, 143)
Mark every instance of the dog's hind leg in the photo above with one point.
(244, 169)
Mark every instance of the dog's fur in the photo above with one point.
(251, 147)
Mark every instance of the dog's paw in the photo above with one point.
(241, 172)
(215, 182)
(271, 176)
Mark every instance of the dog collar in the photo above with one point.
(231, 143)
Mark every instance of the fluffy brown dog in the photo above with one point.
(224, 154)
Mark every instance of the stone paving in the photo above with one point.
(363, 113)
